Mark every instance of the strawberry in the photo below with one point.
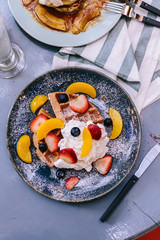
(52, 142)
(95, 131)
(79, 104)
(71, 182)
(103, 164)
(37, 121)
(68, 155)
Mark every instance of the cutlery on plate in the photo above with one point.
(128, 11)
(147, 160)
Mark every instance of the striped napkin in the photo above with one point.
(129, 54)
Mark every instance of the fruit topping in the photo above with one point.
(79, 104)
(26, 2)
(103, 164)
(52, 142)
(47, 126)
(95, 131)
(108, 122)
(37, 102)
(117, 123)
(87, 143)
(37, 121)
(68, 155)
(81, 87)
(71, 182)
(63, 97)
(49, 19)
(43, 147)
(23, 150)
(75, 131)
(60, 173)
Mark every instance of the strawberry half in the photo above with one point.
(79, 104)
(52, 142)
(95, 131)
(103, 164)
(68, 155)
(37, 121)
(71, 182)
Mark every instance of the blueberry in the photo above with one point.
(63, 97)
(60, 173)
(75, 131)
(108, 122)
(43, 147)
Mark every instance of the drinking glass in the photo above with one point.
(12, 59)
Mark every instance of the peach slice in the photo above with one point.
(47, 126)
(37, 102)
(82, 87)
(117, 123)
(87, 143)
(23, 150)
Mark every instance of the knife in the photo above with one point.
(147, 160)
(129, 12)
(146, 6)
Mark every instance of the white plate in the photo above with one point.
(60, 39)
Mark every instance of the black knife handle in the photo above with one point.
(117, 200)
(151, 21)
(150, 8)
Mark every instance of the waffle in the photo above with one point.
(64, 112)
(46, 157)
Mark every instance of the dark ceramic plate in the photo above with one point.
(124, 149)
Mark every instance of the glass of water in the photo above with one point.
(12, 59)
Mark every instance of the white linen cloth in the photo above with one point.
(129, 53)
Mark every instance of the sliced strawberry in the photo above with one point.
(79, 104)
(71, 182)
(37, 121)
(103, 164)
(68, 155)
(95, 131)
(52, 142)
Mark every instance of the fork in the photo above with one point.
(122, 8)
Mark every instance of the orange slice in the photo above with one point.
(47, 126)
(117, 123)
(82, 88)
(23, 150)
(87, 143)
(37, 102)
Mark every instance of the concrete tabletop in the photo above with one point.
(25, 214)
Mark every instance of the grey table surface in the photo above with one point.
(25, 214)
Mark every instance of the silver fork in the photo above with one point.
(122, 8)
(114, 6)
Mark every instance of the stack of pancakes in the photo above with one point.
(66, 15)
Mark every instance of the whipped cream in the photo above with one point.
(99, 148)
(55, 3)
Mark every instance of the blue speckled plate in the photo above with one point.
(105, 23)
(124, 149)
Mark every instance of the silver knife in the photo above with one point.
(146, 6)
(147, 160)
(128, 11)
